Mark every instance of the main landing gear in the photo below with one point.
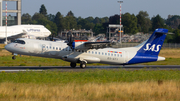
(73, 65)
(82, 65)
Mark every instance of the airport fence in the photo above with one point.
(165, 45)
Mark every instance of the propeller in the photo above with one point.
(70, 39)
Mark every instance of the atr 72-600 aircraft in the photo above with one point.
(24, 31)
(84, 52)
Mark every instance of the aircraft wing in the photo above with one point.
(97, 44)
(24, 34)
(18, 35)
(90, 45)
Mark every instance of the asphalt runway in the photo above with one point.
(68, 68)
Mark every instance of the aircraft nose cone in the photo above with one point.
(8, 47)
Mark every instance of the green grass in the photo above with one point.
(89, 85)
(168, 61)
(38, 61)
(172, 58)
(91, 76)
(34, 61)
(31, 61)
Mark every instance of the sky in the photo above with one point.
(100, 8)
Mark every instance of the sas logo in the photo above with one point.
(152, 48)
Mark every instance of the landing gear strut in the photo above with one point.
(83, 65)
(73, 65)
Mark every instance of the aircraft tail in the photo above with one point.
(150, 50)
(154, 43)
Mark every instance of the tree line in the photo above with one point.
(131, 23)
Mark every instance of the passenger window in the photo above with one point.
(108, 54)
(46, 46)
(111, 54)
(102, 53)
(118, 55)
(92, 52)
(56, 48)
(89, 51)
(59, 48)
(105, 53)
(53, 48)
(95, 52)
(114, 54)
(99, 53)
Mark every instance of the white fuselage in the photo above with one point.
(82, 52)
(25, 31)
(61, 50)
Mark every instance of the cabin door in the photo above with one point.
(126, 57)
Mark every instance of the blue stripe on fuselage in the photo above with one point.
(142, 58)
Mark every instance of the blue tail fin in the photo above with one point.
(150, 50)
(154, 43)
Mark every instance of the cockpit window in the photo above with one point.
(19, 41)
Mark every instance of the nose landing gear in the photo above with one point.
(14, 57)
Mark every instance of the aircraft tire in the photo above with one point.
(14, 57)
(83, 65)
(73, 65)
